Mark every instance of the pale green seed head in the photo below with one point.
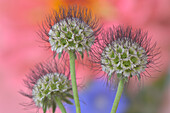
(71, 34)
(124, 57)
(48, 87)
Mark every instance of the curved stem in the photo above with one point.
(60, 105)
(118, 95)
(73, 80)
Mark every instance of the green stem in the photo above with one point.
(73, 80)
(118, 95)
(60, 105)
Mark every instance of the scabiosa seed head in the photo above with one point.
(126, 52)
(71, 28)
(124, 57)
(48, 87)
(71, 34)
(46, 83)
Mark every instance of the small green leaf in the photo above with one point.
(87, 53)
(55, 54)
(67, 101)
(44, 107)
(70, 96)
(75, 56)
(110, 76)
(139, 77)
(54, 107)
(82, 55)
(59, 55)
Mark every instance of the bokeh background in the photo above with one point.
(20, 50)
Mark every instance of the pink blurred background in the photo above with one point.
(19, 48)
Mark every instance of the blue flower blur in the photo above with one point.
(98, 98)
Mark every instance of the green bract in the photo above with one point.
(50, 87)
(125, 57)
(70, 34)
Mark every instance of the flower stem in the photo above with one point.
(59, 103)
(118, 95)
(73, 80)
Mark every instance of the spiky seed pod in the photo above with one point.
(46, 83)
(49, 87)
(125, 57)
(70, 28)
(126, 52)
(70, 35)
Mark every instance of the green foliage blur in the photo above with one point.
(149, 99)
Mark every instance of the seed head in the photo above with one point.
(126, 52)
(124, 57)
(48, 87)
(46, 84)
(70, 34)
(70, 28)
